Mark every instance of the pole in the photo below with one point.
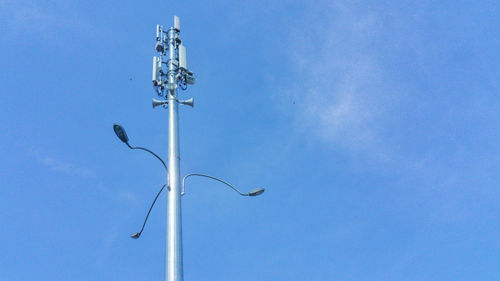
(173, 267)
(177, 75)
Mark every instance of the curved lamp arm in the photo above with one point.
(254, 192)
(154, 154)
(138, 234)
(122, 135)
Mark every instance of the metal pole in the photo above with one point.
(173, 268)
(177, 75)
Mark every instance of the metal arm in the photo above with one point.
(138, 234)
(154, 154)
(214, 178)
(145, 149)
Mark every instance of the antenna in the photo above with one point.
(155, 71)
(182, 57)
(177, 24)
(171, 50)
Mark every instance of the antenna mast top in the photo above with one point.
(170, 65)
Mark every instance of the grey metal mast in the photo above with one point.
(169, 46)
(174, 222)
(170, 73)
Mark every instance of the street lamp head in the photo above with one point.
(135, 235)
(256, 192)
(120, 132)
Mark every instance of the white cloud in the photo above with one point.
(64, 167)
(42, 18)
(70, 169)
(346, 97)
(343, 91)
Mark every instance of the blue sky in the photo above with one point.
(373, 126)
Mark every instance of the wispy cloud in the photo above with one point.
(349, 99)
(42, 18)
(343, 89)
(63, 166)
(123, 196)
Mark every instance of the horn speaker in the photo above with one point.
(159, 102)
(189, 102)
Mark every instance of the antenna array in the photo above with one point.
(170, 66)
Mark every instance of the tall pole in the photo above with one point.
(173, 268)
(169, 47)
(167, 80)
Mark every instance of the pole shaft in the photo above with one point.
(173, 267)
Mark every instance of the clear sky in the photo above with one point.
(373, 125)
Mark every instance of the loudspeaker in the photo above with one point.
(189, 102)
(159, 102)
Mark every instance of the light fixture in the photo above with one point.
(256, 192)
(138, 234)
(120, 132)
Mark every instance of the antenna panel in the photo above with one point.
(182, 57)
(155, 70)
(177, 23)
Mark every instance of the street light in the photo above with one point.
(138, 234)
(122, 135)
(254, 192)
